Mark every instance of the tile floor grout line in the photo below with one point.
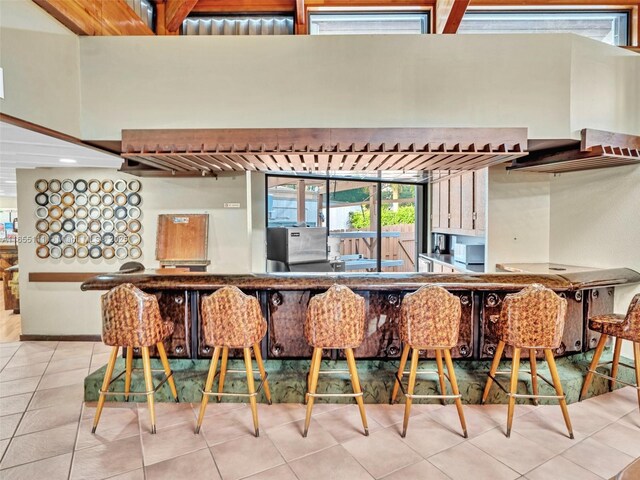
(75, 443)
(22, 418)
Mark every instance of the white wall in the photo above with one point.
(605, 88)
(518, 206)
(61, 308)
(326, 81)
(595, 221)
(41, 63)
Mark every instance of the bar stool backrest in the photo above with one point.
(632, 320)
(533, 318)
(335, 319)
(131, 318)
(430, 317)
(230, 318)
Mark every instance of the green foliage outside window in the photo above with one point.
(405, 214)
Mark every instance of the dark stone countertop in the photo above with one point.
(368, 281)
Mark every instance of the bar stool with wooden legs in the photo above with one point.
(430, 320)
(335, 320)
(232, 319)
(532, 319)
(131, 319)
(622, 327)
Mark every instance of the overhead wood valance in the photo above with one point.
(319, 150)
(596, 149)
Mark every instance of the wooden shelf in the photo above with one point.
(62, 277)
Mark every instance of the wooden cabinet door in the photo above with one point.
(480, 200)
(444, 204)
(455, 203)
(435, 205)
(467, 196)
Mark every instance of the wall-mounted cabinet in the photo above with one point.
(458, 205)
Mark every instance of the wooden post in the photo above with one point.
(301, 202)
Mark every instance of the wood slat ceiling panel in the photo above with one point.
(321, 150)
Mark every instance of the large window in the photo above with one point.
(370, 226)
(606, 26)
(360, 23)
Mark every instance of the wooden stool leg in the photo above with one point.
(127, 374)
(263, 373)
(454, 388)
(105, 386)
(148, 382)
(208, 386)
(223, 371)
(636, 355)
(355, 381)
(592, 366)
(314, 371)
(315, 353)
(252, 389)
(415, 354)
(167, 370)
(443, 386)
(558, 386)
(494, 368)
(515, 366)
(534, 373)
(403, 363)
(614, 363)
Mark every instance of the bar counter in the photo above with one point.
(284, 299)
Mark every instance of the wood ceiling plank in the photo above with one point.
(449, 14)
(176, 11)
(207, 160)
(244, 6)
(172, 161)
(150, 162)
(96, 17)
(323, 162)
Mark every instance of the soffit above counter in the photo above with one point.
(596, 149)
(432, 153)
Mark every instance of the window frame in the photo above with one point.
(421, 207)
(629, 11)
(370, 10)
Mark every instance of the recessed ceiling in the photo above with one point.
(22, 148)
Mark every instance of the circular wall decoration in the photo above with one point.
(120, 185)
(81, 186)
(41, 185)
(67, 185)
(54, 186)
(42, 238)
(134, 185)
(88, 218)
(94, 186)
(42, 226)
(68, 199)
(82, 212)
(107, 186)
(42, 212)
(55, 239)
(55, 199)
(42, 199)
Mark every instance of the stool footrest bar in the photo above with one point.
(637, 387)
(351, 395)
(524, 395)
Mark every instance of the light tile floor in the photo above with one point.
(46, 432)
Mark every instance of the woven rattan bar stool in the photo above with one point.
(131, 319)
(430, 320)
(532, 319)
(232, 319)
(335, 320)
(622, 327)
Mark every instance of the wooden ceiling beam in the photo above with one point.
(96, 17)
(449, 14)
(175, 13)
